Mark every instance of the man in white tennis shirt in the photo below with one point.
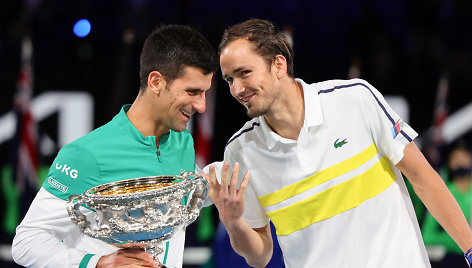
(325, 162)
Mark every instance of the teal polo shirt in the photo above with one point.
(117, 151)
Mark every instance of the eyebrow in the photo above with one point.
(195, 89)
(237, 70)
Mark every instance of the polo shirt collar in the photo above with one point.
(313, 116)
(313, 113)
(130, 129)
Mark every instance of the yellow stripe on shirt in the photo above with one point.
(335, 200)
(319, 177)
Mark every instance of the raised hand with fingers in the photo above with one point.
(228, 199)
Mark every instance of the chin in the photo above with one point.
(180, 128)
(255, 113)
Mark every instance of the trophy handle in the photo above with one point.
(74, 212)
(202, 187)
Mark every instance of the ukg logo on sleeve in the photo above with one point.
(73, 173)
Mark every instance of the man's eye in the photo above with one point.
(246, 72)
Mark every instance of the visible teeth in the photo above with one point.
(245, 99)
(186, 114)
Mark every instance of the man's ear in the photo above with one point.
(280, 64)
(156, 82)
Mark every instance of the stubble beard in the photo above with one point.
(264, 106)
(257, 112)
(263, 109)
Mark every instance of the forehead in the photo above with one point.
(193, 77)
(237, 52)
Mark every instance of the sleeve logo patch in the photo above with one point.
(396, 129)
(59, 186)
(73, 173)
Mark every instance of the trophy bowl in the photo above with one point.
(145, 210)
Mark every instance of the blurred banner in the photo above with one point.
(203, 138)
(24, 148)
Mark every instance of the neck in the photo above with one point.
(287, 114)
(141, 115)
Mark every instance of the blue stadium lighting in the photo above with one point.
(82, 28)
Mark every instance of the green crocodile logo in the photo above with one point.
(339, 144)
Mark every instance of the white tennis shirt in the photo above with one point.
(334, 195)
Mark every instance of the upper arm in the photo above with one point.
(389, 132)
(415, 167)
(266, 236)
(73, 171)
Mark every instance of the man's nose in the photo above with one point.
(200, 103)
(237, 87)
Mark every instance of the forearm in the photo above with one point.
(45, 236)
(435, 195)
(434, 235)
(34, 248)
(254, 245)
(444, 208)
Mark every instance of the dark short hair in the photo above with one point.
(170, 48)
(268, 40)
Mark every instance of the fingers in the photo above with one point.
(141, 257)
(128, 257)
(211, 178)
(244, 183)
(224, 178)
(229, 181)
(234, 180)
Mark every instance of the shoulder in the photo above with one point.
(350, 92)
(250, 128)
(79, 157)
(340, 86)
(96, 137)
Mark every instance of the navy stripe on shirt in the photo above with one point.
(242, 132)
(328, 91)
(378, 101)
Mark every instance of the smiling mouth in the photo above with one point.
(246, 99)
(186, 115)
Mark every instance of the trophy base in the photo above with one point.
(153, 247)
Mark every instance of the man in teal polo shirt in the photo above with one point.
(146, 138)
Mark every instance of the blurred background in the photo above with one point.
(67, 67)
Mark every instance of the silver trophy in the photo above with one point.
(146, 210)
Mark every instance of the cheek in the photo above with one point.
(263, 80)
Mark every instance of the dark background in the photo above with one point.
(402, 48)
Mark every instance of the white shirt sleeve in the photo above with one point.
(391, 134)
(47, 237)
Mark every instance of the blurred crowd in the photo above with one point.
(401, 47)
